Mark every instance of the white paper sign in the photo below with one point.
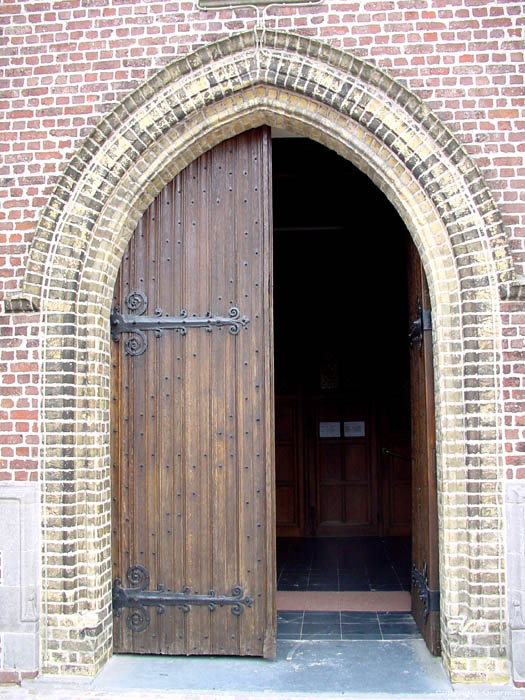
(354, 428)
(330, 429)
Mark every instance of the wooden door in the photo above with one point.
(344, 472)
(425, 572)
(192, 414)
(396, 483)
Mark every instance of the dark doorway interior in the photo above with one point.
(342, 387)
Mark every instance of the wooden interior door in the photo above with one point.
(425, 561)
(396, 481)
(343, 470)
(192, 414)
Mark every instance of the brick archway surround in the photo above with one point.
(216, 92)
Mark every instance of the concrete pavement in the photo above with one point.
(364, 670)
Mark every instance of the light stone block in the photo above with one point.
(19, 590)
(515, 511)
(21, 651)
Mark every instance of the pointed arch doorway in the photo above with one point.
(329, 96)
(192, 386)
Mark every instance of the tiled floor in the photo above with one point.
(349, 564)
(343, 564)
(351, 626)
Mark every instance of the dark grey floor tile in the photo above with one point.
(404, 623)
(289, 630)
(324, 572)
(294, 575)
(318, 636)
(351, 564)
(285, 636)
(391, 617)
(412, 635)
(292, 583)
(289, 616)
(304, 562)
(354, 584)
(321, 617)
(361, 635)
(398, 628)
(328, 586)
(382, 574)
(361, 628)
(355, 617)
(310, 628)
(388, 586)
(357, 561)
(322, 576)
(327, 566)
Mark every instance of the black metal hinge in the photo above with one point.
(422, 322)
(428, 596)
(136, 323)
(138, 599)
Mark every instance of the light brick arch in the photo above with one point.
(221, 90)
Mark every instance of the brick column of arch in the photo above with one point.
(325, 94)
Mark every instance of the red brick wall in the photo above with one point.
(64, 63)
(19, 436)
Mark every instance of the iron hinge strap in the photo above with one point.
(433, 600)
(136, 323)
(429, 597)
(421, 323)
(137, 598)
(426, 316)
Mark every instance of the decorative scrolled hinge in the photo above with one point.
(138, 599)
(428, 596)
(136, 323)
(421, 323)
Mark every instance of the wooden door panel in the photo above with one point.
(343, 469)
(193, 413)
(356, 463)
(331, 461)
(331, 505)
(328, 410)
(357, 502)
(425, 560)
(397, 484)
(285, 419)
(285, 506)
(401, 510)
(286, 458)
